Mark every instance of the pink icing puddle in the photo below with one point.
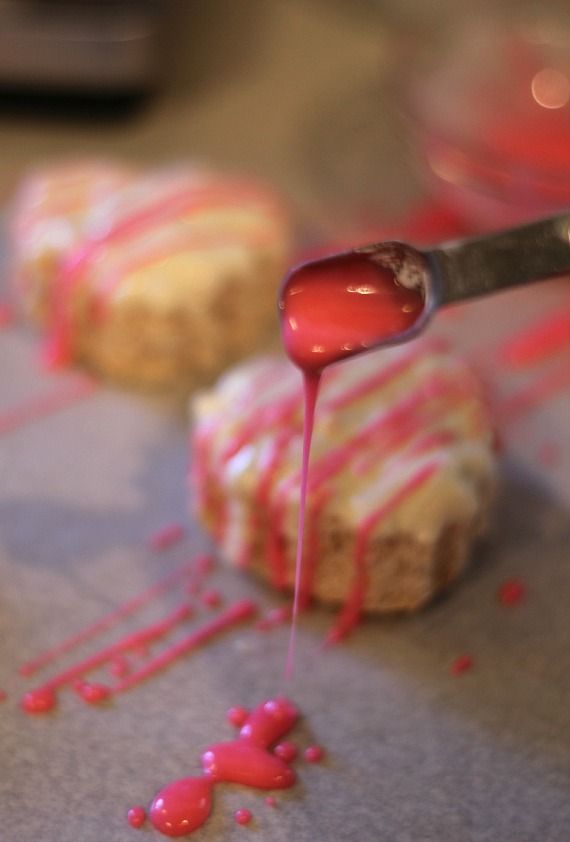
(461, 664)
(184, 805)
(181, 806)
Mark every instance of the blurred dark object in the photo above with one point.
(492, 116)
(99, 49)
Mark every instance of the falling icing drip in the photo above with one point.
(332, 309)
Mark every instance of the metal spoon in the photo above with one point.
(464, 269)
(337, 307)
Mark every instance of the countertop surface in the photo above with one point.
(414, 753)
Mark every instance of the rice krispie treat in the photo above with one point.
(49, 216)
(401, 475)
(176, 278)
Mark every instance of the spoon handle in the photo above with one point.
(470, 268)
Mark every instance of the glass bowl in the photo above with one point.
(492, 120)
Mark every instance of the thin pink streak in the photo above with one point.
(398, 426)
(7, 316)
(538, 391)
(311, 388)
(166, 536)
(42, 406)
(191, 198)
(184, 243)
(109, 620)
(74, 201)
(267, 417)
(281, 414)
(140, 638)
(401, 416)
(235, 614)
(353, 606)
(380, 378)
(546, 337)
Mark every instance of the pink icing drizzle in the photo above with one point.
(41, 406)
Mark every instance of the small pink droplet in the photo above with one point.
(92, 693)
(166, 536)
(262, 625)
(41, 700)
(511, 592)
(461, 664)
(243, 816)
(314, 754)
(6, 314)
(548, 454)
(287, 751)
(277, 616)
(136, 817)
(211, 599)
(237, 716)
(271, 801)
(205, 564)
